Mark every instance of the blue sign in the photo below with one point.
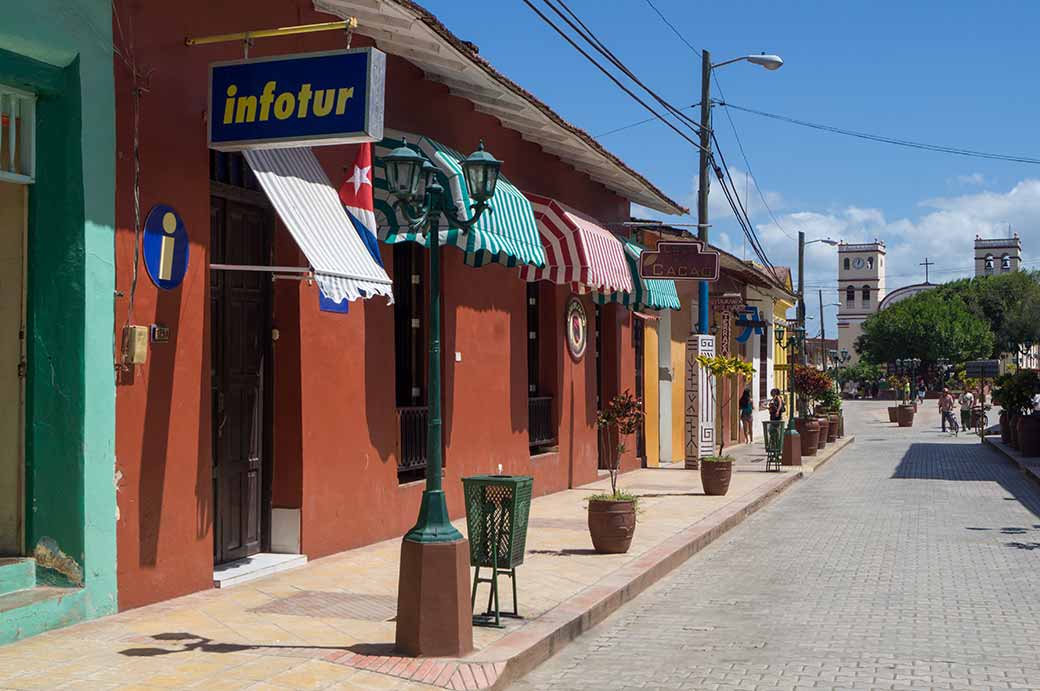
(326, 304)
(165, 247)
(297, 100)
(748, 318)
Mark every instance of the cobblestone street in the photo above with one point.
(911, 562)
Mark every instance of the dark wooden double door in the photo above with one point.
(240, 309)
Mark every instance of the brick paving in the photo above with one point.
(909, 564)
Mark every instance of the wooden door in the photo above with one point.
(240, 332)
(12, 366)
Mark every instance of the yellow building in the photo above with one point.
(665, 349)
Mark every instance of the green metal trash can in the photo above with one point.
(497, 507)
(773, 436)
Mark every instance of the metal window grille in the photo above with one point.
(17, 135)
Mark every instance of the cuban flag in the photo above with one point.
(356, 195)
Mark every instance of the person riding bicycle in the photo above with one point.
(946, 409)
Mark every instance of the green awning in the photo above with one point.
(647, 293)
(507, 235)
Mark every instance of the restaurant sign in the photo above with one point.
(311, 99)
(680, 260)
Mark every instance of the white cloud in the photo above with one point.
(973, 180)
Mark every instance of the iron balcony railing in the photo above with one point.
(413, 437)
(540, 428)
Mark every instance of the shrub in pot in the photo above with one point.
(723, 367)
(905, 415)
(612, 517)
(716, 472)
(808, 434)
(1015, 393)
(1029, 435)
(824, 433)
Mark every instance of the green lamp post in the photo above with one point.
(429, 556)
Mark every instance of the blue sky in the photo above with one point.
(953, 73)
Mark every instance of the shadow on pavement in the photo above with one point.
(190, 642)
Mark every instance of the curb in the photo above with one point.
(1030, 471)
(832, 450)
(526, 649)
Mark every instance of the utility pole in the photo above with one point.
(703, 185)
(801, 286)
(823, 336)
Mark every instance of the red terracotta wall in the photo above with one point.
(336, 438)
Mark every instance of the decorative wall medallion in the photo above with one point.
(577, 327)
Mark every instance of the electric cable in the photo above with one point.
(971, 153)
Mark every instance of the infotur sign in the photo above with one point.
(297, 100)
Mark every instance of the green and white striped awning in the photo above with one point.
(507, 235)
(647, 293)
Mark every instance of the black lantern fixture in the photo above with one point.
(481, 172)
(404, 172)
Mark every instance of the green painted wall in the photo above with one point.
(62, 51)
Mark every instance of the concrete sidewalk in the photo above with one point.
(329, 625)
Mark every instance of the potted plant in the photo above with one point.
(717, 470)
(612, 517)
(831, 403)
(812, 386)
(1015, 393)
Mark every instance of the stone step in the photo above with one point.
(26, 598)
(254, 567)
(16, 573)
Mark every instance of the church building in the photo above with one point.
(861, 288)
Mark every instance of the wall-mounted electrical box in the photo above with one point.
(135, 345)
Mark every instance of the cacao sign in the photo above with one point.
(680, 260)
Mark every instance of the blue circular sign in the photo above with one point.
(165, 247)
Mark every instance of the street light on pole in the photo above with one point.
(434, 555)
(802, 244)
(770, 62)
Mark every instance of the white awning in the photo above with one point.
(300, 191)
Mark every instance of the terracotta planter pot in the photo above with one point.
(1029, 435)
(893, 413)
(833, 420)
(1013, 431)
(808, 434)
(715, 477)
(1005, 427)
(821, 440)
(905, 416)
(612, 525)
(841, 424)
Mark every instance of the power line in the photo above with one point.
(971, 153)
(636, 124)
(608, 74)
(672, 27)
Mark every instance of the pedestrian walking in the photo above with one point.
(776, 405)
(921, 391)
(747, 415)
(967, 401)
(946, 410)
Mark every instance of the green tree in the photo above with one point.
(1009, 303)
(932, 325)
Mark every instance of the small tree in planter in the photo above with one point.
(612, 517)
(812, 385)
(1015, 392)
(716, 471)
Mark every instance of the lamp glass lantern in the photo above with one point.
(404, 172)
(480, 170)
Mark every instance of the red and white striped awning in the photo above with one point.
(577, 250)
